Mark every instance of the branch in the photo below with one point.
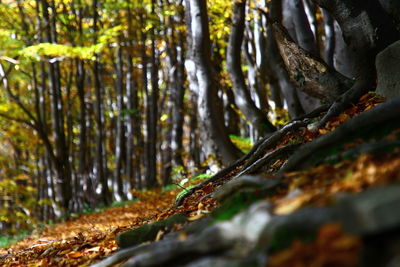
(307, 72)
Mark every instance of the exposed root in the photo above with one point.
(341, 103)
(383, 115)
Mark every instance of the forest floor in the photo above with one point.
(90, 238)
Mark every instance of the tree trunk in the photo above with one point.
(100, 139)
(275, 63)
(62, 162)
(152, 112)
(215, 138)
(120, 145)
(242, 95)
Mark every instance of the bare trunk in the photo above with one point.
(215, 138)
(120, 132)
(242, 95)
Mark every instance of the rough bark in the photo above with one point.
(296, 21)
(276, 65)
(367, 29)
(309, 73)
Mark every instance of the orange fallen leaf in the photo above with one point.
(74, 254)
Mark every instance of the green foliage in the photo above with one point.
(279, 117)
(202, 176)
(184, 191)
(18, 203)
(244, 144)
(6, 240)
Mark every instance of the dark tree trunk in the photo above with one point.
(152, 112)
(241, 92)
(329, 50)
(178, 98)
(120, 145)
(276, 66)
(343, 58)
(62, 162)
(309, 73)
(100, 137)
(215, 139)
(366, 28)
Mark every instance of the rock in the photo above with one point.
(301, 224)
(372, 211)
(245, 183)
(147, 232)
(253, 260)
(388, 71)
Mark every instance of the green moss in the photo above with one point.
(284, 238)
(234, 205)
(148, 232)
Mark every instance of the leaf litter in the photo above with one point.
(90, 238)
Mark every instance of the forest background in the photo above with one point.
(101, 98)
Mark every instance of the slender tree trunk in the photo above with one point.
(100, 138)
(275, 63)
(152, 106)
(242, 95)
(329, 50)
(178, 90)
(120, 131)
(62, 162)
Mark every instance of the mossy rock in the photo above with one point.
(148, 232)
(233, 205)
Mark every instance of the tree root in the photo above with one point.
(268, 158)
(244, 183)
(386, 114)
(367, 148)
(250, 158)
(235, 238)
(257, 151)
(360, 88)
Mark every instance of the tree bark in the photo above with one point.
(214, 136)
(62, 163)
(120, 145)
(241, 92)
(309, 73)
(276, 66)
(100, 166)
(152, 105)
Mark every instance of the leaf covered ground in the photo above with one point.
(90, 238)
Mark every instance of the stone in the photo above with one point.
(147, 232)
(388, 71)
(246, 183)
(302, 224)
(373, 211)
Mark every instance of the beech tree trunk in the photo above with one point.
(276, 65)
(242, 95)
(214, 134)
